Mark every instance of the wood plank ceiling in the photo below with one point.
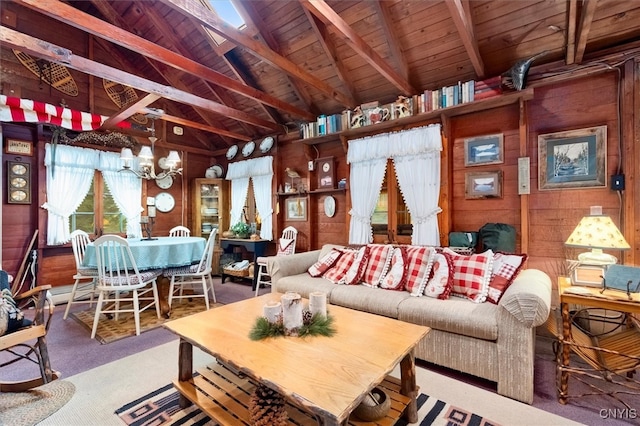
(298, 59)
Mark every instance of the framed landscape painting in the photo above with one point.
(480, 185)
(296, 209)
(481, 150)
(573, 159)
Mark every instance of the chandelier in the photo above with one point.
(169, 165)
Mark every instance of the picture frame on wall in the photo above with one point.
(15, 146)
(573, 159)
(296, 209)
(483, 150)
(483, 185)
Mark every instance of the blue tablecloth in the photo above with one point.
(165, 252)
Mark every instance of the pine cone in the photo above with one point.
(267, 408)
(306, 317)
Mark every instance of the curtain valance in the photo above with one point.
(247, 168)
(419, 140)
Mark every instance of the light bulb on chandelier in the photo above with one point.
(146, 163)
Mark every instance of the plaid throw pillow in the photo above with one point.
(356, 271)
(378, 264)
(419, 261)
(505, 268)
(396, 278)
(336, 273)
(285, 247)
(471, 274)
(441, 279)
(323, 264)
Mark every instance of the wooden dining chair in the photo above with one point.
(121, 287)
(85, 278)
(194, 275)
(180, 231)
(286, 246)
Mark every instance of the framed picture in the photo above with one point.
(481, 150)
(14, 146)
(573, 159)
(479, 185)
(296, 209)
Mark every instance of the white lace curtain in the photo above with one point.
(416, 158)
(260, 170)
(69, 178)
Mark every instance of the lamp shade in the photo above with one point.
(599, 232)
(145, 152)
(173, 158)
(126, 154)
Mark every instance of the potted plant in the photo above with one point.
(241, 230)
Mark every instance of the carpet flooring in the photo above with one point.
(111, 330)
(105, 389)
(33, 406)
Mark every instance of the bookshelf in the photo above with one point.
(452, 111)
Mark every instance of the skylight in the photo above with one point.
(226, 10)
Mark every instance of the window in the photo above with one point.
(98, 207)
(391, 220)
(225, 10)
(250, 212)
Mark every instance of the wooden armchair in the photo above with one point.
(29, 342)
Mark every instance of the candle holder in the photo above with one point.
(146, 222)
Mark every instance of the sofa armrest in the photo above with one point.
(293, 264)
(528, 298)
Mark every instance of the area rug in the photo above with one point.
(110, 330)
(160, 407)
(35, 405)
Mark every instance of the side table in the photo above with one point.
(608, 356)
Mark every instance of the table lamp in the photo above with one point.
(595, 232)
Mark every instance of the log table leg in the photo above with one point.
(408, 386)
(164, 284)
(185, 368)
(566, 335)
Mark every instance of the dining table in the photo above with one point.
(158, 253)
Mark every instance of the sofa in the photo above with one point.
(494, 341)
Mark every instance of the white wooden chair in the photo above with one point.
(198, 274)
(180, 231)
(120, 286)
(286, 246)
(85, 278)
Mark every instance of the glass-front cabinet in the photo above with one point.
(210, 207)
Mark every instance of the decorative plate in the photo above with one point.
(162, 163)
(165, 202)
(232, 151)
(214, 172)
(266, 144)
(165, 182)
(329, 206)
(247, 150)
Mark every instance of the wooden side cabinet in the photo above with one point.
(210, 207)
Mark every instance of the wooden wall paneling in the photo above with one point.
(524, 198)
(630, 103)
(446, 179)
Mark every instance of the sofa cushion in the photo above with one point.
(337, 273)
(471, 274)
(419, 261)
(397, 275)
(377, 264)
(356, 271)
(441, 279)
(324, 263)
(373, 300)
(505, 268)
(303, 284)
(456, 315)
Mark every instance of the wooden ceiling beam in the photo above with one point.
(327, 15)
(194, 9)
(129, 110)
(54, 53)
(572, 11)
(200, 126)
(320, 29)
(462, 20)
(391, 35)
(584, 26)
(69, 15)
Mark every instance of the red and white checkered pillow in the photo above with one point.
(286, 246)
(471, 274)
(419, 261)
(356, 271)
(337, 273)
(378, 264)
(505, 268)
(441, 278)
(323, 264)
(397, 276)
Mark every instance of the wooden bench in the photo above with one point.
(224, 396)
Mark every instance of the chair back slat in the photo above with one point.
(207, 255)
(116, 264)
(79, 241)
(290, 233)
(180, 231)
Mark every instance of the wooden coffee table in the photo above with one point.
(326, 377)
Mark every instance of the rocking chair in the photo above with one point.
(28, 342)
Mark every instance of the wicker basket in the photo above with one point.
(370, 411)
(237, 272)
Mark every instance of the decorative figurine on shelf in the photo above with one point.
(357, 118)
(292, 174)
(378, 115)
(516, 76)
(402, 107)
